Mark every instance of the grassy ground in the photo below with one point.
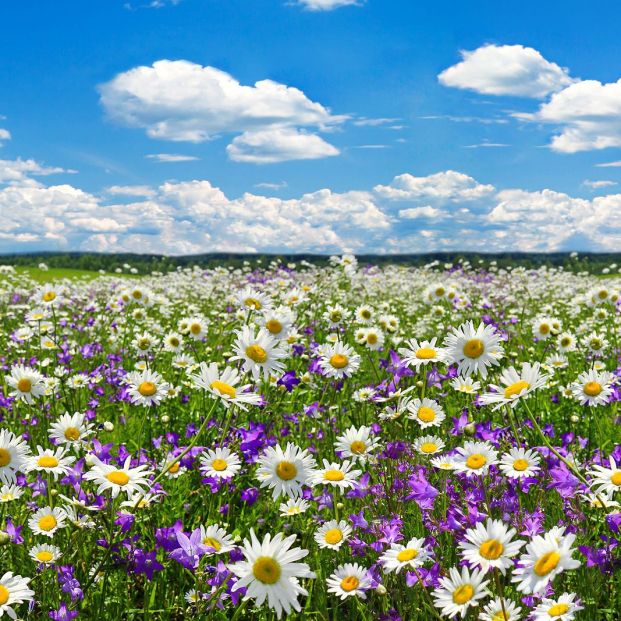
(58, 273)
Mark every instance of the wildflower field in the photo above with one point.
(336, 443)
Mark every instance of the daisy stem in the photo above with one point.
(427, 595)
(501, 595)
(239, 610)
(516, 435)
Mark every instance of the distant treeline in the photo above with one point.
(147, 263)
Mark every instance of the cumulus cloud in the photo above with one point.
(506, 70)
(448, 185)
(327, 5)
(186, 102)
(269, 146)
(442, 211)
(14, 171)
(589, 113)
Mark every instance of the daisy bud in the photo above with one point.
(469, 429)
(165, 418)
(108, 426)
(574, 418)
(419, 384)
(4, 538)
(380, 589)
(339, 505)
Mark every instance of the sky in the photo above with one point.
(326, 126)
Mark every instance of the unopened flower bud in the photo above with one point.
(165, 418)
(4, 538)
(380, 589)
(469, 429)
(108, 426)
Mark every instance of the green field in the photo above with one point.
(58, 273)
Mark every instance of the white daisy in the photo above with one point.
(515, 385)
(519, 462)
(349, 580)
(46, 521)
(27, 384)
(356, 444)
(336, 475)
(13, 456)
(429, 445)
(420, 354)
(216, 538)
(473, 349)
(426, 412)
(224, 385)
(221, 463)
(285, 472)
(14, 590)
(592, 387)
(458, 592)
(45, 553)
(606, 480)
(293, 506)
(333, 534)
(338, 360)
(465, 384)
(475, 458)
(500, 610)
(70, 429)
(146, 387)
(55, 462)
(562, 608)
(124, 479)
(409, 556)
(9, 493)
(259, 354)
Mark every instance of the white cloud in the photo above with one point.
(171, 157)
(506, 70)
(5, 135)
(589, 114)
(364, 122)
(271, 185)
(269, 146)
(327, 5)
(427, 211)
(486, 145)
(616, 164)
(131, 190)
(603, 183)
(183, 101)
(448, 185)
(13, 171)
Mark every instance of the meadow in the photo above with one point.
(331, 443)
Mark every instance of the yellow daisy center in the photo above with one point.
(48, 296)
(218, 465)
(256, 353)
(174, 341)
(5, 457)
(266, 570)
(24, 385)
(339, 361)
(407, 555)
(491, 549)
(428, 447)
(463, 594)
(547, 563)
(516, 389)
(358, 447)
(47, 461)
(426, 353)
(274, 326)
(333, 536)
(474, 348)
(253, 303)
(366, 314)
(212, 543)
(476, 461)
(440, 291)
(350, 583)
(520, 465)
(372, 338)
(544, 328)
(224, 389)
(426, 414)
(195, 328)
(333, 475)
(615, 479)
(175, 467)
(4, 595)
(558, 610)
(286, 471)
(47, 523)
(500, 616)
(72, 433)
(44, 556)
(147, 389)
(592, 389)
(118, 477)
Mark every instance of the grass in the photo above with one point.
(59, 273)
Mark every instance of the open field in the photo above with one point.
(320, 443)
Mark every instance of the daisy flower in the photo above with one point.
(220, 463)
(146, 387)
(196, 328)
(54, 462)
(443, 462)
(475, 458)
(336, 315)
(252, 300)
(498, 610)
(491, 545)
(224, 385)
(515, 385)
(27, 384)
(173, 342)
(364, 314)
(592, 387)
(356, 444)
(566, 342)
(373, 339)
(45, 553)
(271, 571)
(338, 360)
(458, 592)
(293, 506)
(10, 492)
(465, 384)
(333, 534)
(259, 354)
(473, 349)
(336, 475)
(519, 462)
(545, 557)
(13, 456)
(428, 445)
(349, 580)
(278, 322)
(426, 412)
(606, 480)
(49, 294)
(543, 328)
(70, 429)
(410, 556)
(420, 354)
(124, 479)
(14, 590)
(563, 608)
(216, 538)
(46, 521)
(285, 472)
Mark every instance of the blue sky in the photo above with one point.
(309, 125)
